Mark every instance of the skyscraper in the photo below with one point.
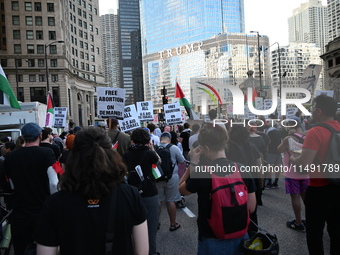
(333, 18)
(130, 50)
(63, 33)
(110, 49)
(309, 24)
(168, 24)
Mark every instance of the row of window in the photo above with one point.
(31, 49)
(83, 4)
(83, 55)
(39, 35)
(83, 66)
(30, 7)
(29, 20)
(41, 77)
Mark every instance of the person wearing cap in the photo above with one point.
(102, 124)
(33, 179)
(121, 138)
(168, 191)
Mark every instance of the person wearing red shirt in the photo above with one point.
(322, 198)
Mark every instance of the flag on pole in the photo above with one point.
(155, 171)
(184, 102)
(254, 96)
(50, 111)
(7, 96)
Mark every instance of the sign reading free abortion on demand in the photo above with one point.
(110, 102)
(173, 114)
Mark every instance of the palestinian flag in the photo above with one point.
(184, 102)
(50, 111)
(7, 96)
(254, 95)
(155, 171)
(115, 146)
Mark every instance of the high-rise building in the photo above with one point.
(309, 24)
(130, 50)
(169, 24)
(293, 60)
(63, 33)
(110, 49)
(333, 19)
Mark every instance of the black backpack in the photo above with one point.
(333, 156)
(167, 167)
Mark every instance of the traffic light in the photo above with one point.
(165, 100)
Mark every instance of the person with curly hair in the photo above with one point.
(76, 218)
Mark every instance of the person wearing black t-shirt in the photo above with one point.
(212, 142)
(33, 180)
(46, 141)
(141, 153)
(76, 218)
(184, 140)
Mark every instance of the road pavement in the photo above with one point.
(272, 216)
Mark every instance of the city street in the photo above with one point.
(274, 213)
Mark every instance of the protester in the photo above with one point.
(194, 135)
(154, 138)
(211, 152)
(184, 140)
(75, 219)
(123, 140)
(322, 198)
(33, 180)
(296, 184)
(141, 155)
(46, 141)
(168, 190)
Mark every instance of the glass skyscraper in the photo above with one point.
(172, 23)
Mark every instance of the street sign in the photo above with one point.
(265, 87)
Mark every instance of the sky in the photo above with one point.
(268, 17)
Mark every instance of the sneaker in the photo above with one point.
(292, 224)
(275, 186)
(181, 203)
(268, 186)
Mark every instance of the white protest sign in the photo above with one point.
(259, 103)
(173, 114)
(145, 111)
(329, 93)
(130, 121)
(60, 114)
(110, 102)
(291, 112)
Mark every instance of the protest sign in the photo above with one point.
(173, 113)
(145, 111)
(60, 114)
(110, 102)
(130, 121)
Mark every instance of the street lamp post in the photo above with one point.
(46, 46)
(235, 74)
(279, 58)
(259, 56)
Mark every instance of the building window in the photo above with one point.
(54, 77)
(31, 62)
(53, 49)
(21, 94)
(93, 58)
(95, 11)
(91, 38)
(40, 49)
(82, 55)
(29, 35)
(32, 78)
(91, 28)
(20, 78)
(80, 33)
(84, 4)
(15, 6)
(85, 35)
(84, 14)
(19, 63)
(93, 68)
(92, 48)
(41, 62)
(38, 94)
(337, 61)
(51, 21)
(37, 6)
(16, 34)
(52, 35)
(87, 67)
(28, 6)
(97, 50)
(50, 7)
(39, 35)
(81, 44)
(86, 56)
(79, 11)
(85, 24)
(15, 20)
(29, 20)
(90, 17)
(3, 62)
(75, 41)
(38, 21)
(82, 65)
(80, 22)
(54, 63)
(90, 7)
(97, 31)
(17, 48)
(30, 48)
(41, 77)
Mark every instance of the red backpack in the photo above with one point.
(229, 218)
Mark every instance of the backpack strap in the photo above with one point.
(110, 230)
(300, 137)
(115, 139)
(329, 127)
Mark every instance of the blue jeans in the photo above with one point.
(212, 246)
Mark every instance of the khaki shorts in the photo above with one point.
(168, 191)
